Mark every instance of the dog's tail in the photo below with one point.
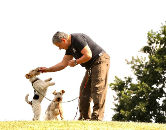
(26, 99)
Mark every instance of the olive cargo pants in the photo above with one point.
(96, 89)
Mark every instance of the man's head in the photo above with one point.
(61, 40)
(58, 36)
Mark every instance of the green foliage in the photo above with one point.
(140, 101)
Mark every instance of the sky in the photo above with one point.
(26, 28)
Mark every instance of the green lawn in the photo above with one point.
(78, 125)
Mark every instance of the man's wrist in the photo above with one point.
(76, 62)
(48, 69)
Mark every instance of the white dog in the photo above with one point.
(55, 107)
(40, 89)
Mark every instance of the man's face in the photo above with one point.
(62, 44)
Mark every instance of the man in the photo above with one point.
(91, 56)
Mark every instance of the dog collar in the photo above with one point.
(34, 81)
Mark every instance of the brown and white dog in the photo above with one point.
(40, 89)
(55, 107)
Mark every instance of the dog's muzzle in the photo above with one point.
(39, 69)
(58, 99)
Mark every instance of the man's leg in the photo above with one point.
(85, 98)
(99, 86)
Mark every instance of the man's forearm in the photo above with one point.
(83, 59)
(56, 67)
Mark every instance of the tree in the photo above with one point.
(144, 101)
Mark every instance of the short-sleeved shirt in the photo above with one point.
(78, 42)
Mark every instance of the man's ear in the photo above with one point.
(64, 40)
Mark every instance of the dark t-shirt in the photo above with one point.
(78, 42)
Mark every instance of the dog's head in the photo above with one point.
(32, 73)
(58, 95)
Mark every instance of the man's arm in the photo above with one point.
(60, 66)
(87, 55)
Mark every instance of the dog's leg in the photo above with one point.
(61, 112)
(36, 110)
(56, 118)
(47, 84)
(52, 106)
(49, 79)
(61, 115)
(47, 115)
(50, 84)
(52, 116)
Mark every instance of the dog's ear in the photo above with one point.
(27, 76)
(63, 91)
(54, 92)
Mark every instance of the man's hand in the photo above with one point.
(71, 63)
(43, 69)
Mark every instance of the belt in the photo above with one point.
(95, 58)
(101, 53)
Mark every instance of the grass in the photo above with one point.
(78, 125)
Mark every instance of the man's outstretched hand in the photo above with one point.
(43, 69)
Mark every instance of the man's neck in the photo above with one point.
(69, 40)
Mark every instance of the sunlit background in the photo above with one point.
(26, 30)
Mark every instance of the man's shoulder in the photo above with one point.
(76, 38)
(74, 35)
